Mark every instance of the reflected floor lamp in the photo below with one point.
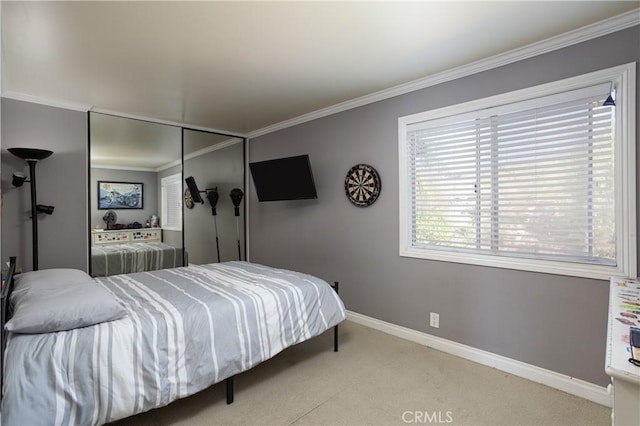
(32, 156)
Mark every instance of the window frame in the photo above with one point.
(175, 179)
(624, 80)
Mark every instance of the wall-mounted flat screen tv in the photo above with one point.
(283, 179)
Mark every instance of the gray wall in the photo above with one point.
(555, 322)
(61, 182)
(150, 196)
(223, 168)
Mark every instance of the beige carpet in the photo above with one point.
(376, 379)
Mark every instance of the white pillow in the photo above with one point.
(60, 299)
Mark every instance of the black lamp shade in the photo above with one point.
(30, 153)
(18, 179)
(40, 208)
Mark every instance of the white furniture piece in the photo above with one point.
(624, 313)
(121, 236)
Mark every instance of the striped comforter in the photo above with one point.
(186, 329)
(113, 259)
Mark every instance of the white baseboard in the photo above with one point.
(573, 386)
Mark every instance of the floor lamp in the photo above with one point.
(32, 156)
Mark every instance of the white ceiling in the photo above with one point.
(242, 66)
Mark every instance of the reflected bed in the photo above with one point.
(113, 259)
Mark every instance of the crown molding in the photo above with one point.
(129, 168)
(52, 102)
(77, 106)
(589, 32)
(167, 122)
(216, 147)
(198, 153)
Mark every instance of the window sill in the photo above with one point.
(601, 272)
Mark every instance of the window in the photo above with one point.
(542, 179)
(171, 201)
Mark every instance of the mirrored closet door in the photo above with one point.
(212, 231)
(133, 224)
(141, 213)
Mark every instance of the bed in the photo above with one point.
(116, 259)
(172, 333)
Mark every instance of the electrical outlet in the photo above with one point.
(434, 320)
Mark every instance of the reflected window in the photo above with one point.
(171, 201)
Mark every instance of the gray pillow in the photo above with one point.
(60, 299)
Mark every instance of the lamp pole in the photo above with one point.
(34, 213)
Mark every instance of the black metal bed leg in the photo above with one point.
(229, 383)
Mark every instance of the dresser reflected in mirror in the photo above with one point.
(134, 186)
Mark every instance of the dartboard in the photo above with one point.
(362, 185)
(188, 199)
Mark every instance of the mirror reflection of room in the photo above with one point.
(135, 209)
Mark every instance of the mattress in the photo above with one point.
(115, 259)
(186, 329)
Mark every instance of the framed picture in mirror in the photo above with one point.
(119, 195)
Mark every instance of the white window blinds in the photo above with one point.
(171, 201)
(531, 179)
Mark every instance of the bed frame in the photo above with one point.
(7, 289)
(229, 380)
